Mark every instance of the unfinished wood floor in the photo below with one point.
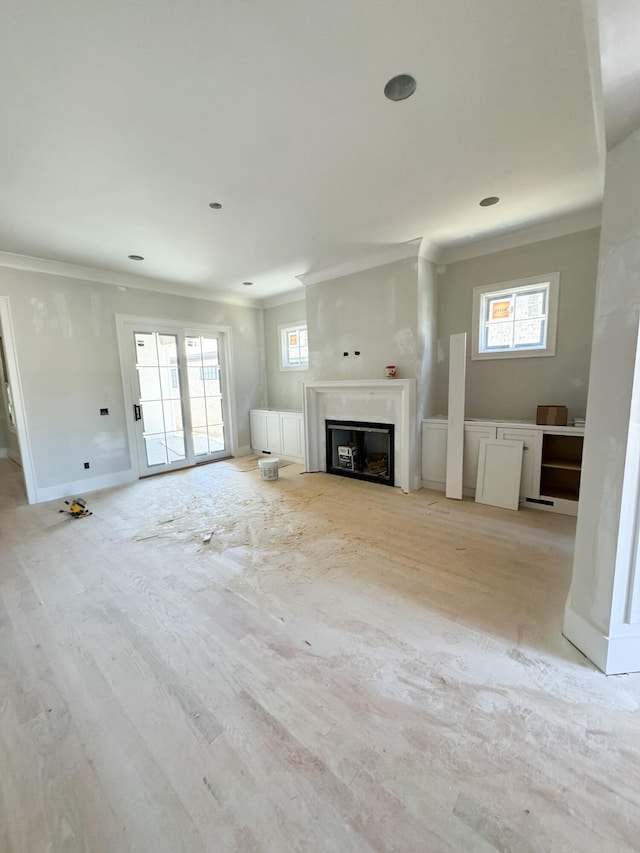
(342, 668)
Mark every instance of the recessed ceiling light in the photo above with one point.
(215, 205)
(489, 200)
(248, 283)
(135, 257)
(400, 87)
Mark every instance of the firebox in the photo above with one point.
(360, 450)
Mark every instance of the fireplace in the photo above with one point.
(362, 450)
(379, 401)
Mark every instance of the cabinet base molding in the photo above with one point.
(613, 655)
(564, 507)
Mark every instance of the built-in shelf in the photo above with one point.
(565, 494)
(561, 466)
(562, 463)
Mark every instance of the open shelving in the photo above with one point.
(561, 466)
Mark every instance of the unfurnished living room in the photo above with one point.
(319, 426)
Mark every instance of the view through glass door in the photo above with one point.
(178, 399)
(205, 396)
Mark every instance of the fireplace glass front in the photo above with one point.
(360, 450)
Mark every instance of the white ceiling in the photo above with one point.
(121, 121)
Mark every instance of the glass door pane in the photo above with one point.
(160, 398)
(205, 395)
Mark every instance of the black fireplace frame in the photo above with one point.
(359, 430)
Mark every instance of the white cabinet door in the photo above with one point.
(274, 436)
(473, 434)
(258, 422)
(499, 467)
(290, 432)
(531, 458)
(434, 452)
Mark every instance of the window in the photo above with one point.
(294, 347)
(208, 373)
(515, 319)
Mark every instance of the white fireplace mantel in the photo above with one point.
(361, 400)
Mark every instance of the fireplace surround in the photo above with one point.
(387, 401)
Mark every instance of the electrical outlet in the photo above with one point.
(104, 411)
(86, 465)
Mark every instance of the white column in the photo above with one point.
(602, 615)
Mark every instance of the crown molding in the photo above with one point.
(121, 280)
(397, 252)
(297, 295)
(572, 223)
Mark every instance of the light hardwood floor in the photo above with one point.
(342, 668)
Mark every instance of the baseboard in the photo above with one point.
(3, 452)
(613, 655)
(433, 485)
(82, 487)
(245, 450)
(14, 457)
(267, 454)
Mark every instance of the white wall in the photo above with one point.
(605, 585)
(284, 387)
(511, 389)
(374, 312)
(69, 366)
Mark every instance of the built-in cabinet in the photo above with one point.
(551, 460)
(279, 433)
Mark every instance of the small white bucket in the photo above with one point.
(268, 468)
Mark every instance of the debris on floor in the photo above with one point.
(77, 508)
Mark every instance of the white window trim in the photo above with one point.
(281, 346)
(552, 318)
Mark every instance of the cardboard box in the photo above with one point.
(347, 457)
(552, 415)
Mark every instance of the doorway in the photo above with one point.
(177, 381)
(13, 422)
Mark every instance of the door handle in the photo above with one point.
(137, 413)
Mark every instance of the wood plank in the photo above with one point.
(455, 418)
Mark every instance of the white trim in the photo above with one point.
(3, 452)
(117, 279)
(455, 419)
(83, 487)
(13, 456)
(282, 328)
(614, 655)
(396, 252)
(24, 443)
(244, 450)
(561, 226)
(552, 317)
(123, 321)
(290, 296)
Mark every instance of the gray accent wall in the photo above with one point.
(65, 336)
(512, 388)
(374, 312)
(284, 387)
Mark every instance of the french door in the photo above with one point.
(179, 397)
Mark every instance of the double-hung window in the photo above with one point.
(294, 347)
(516, 319)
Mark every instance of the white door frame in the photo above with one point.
(22, 430)
(124, 321)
